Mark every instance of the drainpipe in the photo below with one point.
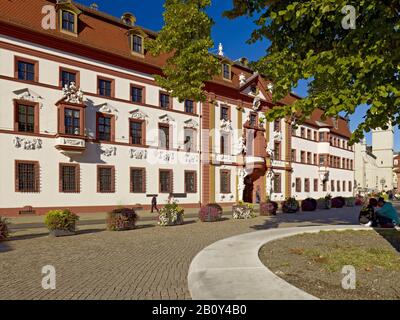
(201, 153)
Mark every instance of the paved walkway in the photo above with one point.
(230, 269)
(148, 263)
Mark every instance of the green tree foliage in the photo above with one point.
(186, 36)
(346, 67)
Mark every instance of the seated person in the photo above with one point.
(386, 214)
(367, 214)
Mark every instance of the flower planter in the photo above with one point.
(324, 204)
(290, 205)
(338, 202)
(169, 220)
(61, 233)
(4, 233)
(243, 212)
(210, 213)
(61, 223)
(309, 204)
(171, 215)
(122, 219)
(268, 208)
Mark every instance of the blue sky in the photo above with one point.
(231, 33)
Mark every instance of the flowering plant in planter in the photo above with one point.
(243, 211)
(61, 222)
(210, 213)
(309, 204)
(4, 233)
(121, 219)
(290, 205)
(350, 201)
(268, 207)
(171, 215)
(338, 202)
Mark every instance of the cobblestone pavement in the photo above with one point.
(150, 262)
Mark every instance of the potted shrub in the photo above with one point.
(309, 204)
(268, 207)
(290, 205)
(4, 232)
(61, 222)
(338, 202)
(171, 215)
(210, 213)
(325, 203)
(350, 201)
(243, 211)
(122, 219)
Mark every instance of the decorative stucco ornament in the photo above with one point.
(241, 146)
(241, 184)
(27, 144)
(242, 79)
(72, 94)
(138, 154)
(256, 103)
(191, 124)
(138, 114)
(109, 151)
(167, 119)
(226, 125)
(277, 136)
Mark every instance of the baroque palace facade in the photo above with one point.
(83, 125)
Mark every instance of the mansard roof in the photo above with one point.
(104, 38)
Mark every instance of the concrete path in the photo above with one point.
(230, 269)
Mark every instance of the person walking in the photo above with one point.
(258, 195)
(154, 204)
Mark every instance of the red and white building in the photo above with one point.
(83, 124)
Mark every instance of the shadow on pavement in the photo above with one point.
(305, 219)
(89, 231)
(145, 226)
(29, 236)
(4, 247)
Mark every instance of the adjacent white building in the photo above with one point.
(374, 164)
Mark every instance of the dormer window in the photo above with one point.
(68, 21)
(68, 17)
(226, 71)
(137, 44)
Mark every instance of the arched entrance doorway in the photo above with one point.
(254, 183)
